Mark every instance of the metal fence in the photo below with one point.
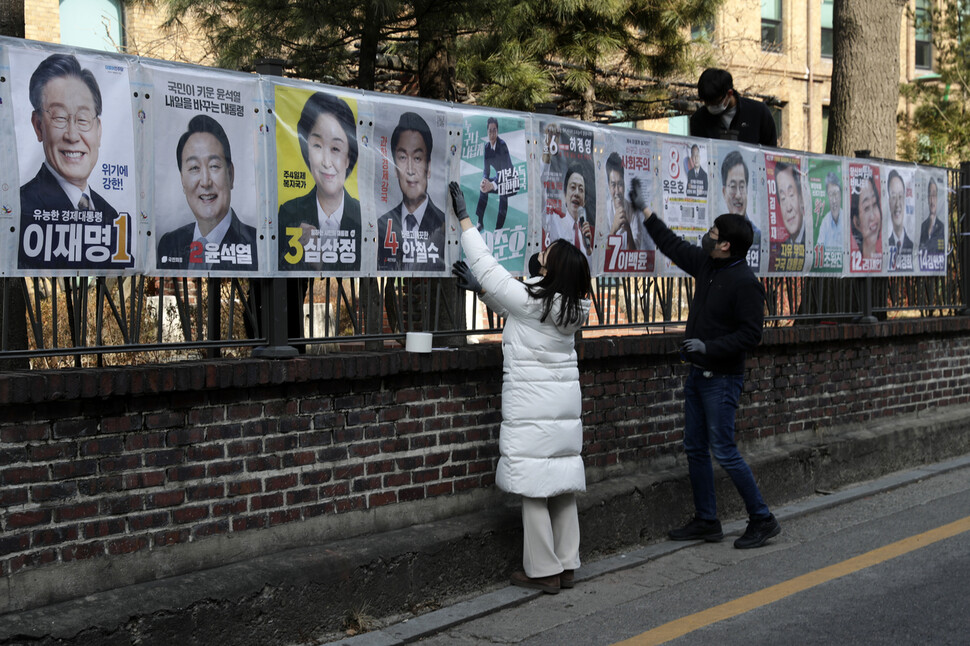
(52, 323)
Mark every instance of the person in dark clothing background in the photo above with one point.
(728, 115)
(725, 321)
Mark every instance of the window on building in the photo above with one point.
(828, 42)
(923, 44)
(776, 114)
(771, 25)
(95, 24)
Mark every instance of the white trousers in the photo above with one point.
(550, 541)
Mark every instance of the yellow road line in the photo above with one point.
(690, 623)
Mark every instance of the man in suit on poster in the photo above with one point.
(204, 160)
(66, 119)
(411, 236)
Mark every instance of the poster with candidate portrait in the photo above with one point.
(899, 207)
(319, 221)
(75, 161)
(739, 188)
(205, 195)
(787, 225)
(933, 218)
(865, 218)
(411, 188)
(494, 178)
(828, 207)
(627, 248)
(685, 184)
(568, 177)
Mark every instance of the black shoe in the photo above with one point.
(758, 533)
(698, 529)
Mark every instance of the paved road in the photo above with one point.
(889, 567)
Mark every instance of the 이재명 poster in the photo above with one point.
(627, 247)
(900, 215)
(865, 218)
(75, 153)
(411, 188)
(205, 188)
(738, 188)
(828, 214)
(933, 218)
(319, 223)
(567, 173)
(494, 179)
(787, 225)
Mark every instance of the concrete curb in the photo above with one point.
(441, 620)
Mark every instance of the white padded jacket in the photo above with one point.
(541, 436)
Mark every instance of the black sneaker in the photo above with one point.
(758, 533)
(698, 529)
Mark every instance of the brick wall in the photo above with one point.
(96, 464)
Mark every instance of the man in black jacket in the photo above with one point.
(725, 321)
(728, 115)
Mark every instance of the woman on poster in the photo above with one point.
(325, 221)
(542, 432)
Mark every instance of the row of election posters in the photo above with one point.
(116, 165)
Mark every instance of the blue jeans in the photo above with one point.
(710, 405)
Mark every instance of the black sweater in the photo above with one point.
(727, 312)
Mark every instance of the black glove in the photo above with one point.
(694, 345)
(466, 279)
(458, 201)
(637, 198)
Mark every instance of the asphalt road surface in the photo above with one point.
(891, 567)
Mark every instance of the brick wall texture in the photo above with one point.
(98, 463)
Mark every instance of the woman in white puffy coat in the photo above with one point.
(541, 434)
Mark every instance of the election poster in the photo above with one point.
(738, 188)
(865, 218)
(319, 219)
(411, 188)
(933, 218)
(827, 208)
(205, 185)
(76, 162)
(627, 247)
(787, 228)
(685, 185)
(568, 176)
(495, 181)
(899, 206)
(685, 182)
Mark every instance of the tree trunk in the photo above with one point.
(587, 109)
(369, 41)
(12, 18)
(436, 51)
(865, 77)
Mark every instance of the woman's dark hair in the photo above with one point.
(854, 198)
(319, 104)
(567, 274)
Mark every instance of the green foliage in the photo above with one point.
(589, 56)
(579, 52)
(938, 131)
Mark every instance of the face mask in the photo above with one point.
(707, 243)
(535, 267)
(719, 108)
(715, 109)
